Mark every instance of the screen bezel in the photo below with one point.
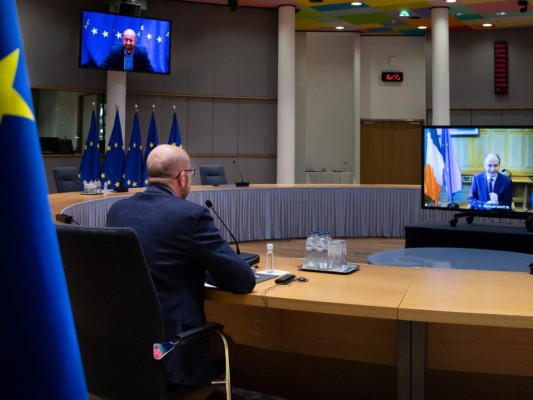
(487, 213)
(80, 42)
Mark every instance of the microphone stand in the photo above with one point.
(251, 259)
(210, 206)
(241, 183)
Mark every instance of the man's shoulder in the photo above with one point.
(116, 48)
(161, 199)
(121, 202)
(140, 48)
(504, 178)
(479, 176)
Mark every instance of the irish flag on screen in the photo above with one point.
(434, 166)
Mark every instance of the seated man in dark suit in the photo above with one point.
(491, 189)
(183, 249)
(127, 56)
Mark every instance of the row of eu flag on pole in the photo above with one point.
(121, 169)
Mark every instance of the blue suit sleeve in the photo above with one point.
(505, 197)
(225, 268)
(474, 195)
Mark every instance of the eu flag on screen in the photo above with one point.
(452, 180)
(134, 159)
(90, 159)
(113, 167)
(100, 31)
(151, 142)
(39, 353)
(174, 137)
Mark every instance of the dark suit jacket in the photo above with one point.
(479, 192)
(181, 242)
(115, 59)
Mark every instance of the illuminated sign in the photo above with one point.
(392, 76)
(501, 68)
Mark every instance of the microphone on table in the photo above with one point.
(210, 206)
(251, 259)
(241, 183)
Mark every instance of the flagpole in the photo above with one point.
(93, 104)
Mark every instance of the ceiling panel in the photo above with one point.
(382, 17)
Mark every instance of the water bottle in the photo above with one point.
(270, 258)
(329, 238)
(321, 251)
(310, 250)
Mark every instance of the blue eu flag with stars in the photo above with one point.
(151, 142)
(134, 159)
(90, 159)
(39, 353)
(174, 137)
(113, 167)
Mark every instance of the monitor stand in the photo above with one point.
(470, 217)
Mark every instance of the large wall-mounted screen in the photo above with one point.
(124, 43)
(483, 170)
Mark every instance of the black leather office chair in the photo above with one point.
(67, 179)
(118, 317)
(212, 175)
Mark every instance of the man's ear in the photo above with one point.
(181, 179)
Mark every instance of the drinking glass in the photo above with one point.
(334, 254)
(343, 251)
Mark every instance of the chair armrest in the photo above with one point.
(161, 349)
(195, 333)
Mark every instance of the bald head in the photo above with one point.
(165, 166)
(492, 164)
(129, 39)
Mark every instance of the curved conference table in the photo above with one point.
(262, 212)
(379, 333)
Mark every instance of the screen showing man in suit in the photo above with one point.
(491, 189)
(128, 56)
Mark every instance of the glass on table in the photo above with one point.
(343, 252)
(334, 254)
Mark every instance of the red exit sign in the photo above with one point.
(501, 68)
(392, 76)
